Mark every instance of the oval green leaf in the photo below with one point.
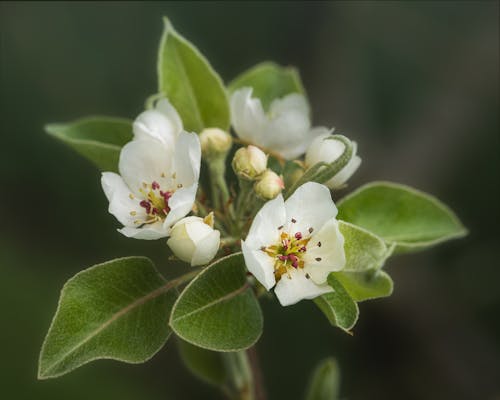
(366, 285)
(190, 83)
(218, 309)
(340, 309)
(363, 249)
(269, 81)
(98, 139)
(401, 215)
(325, 381)
(118, 310)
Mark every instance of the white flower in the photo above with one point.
(285, 129)
(194, 240)
(249, 162)
(159, 172)
(326, 149)
(295, 244)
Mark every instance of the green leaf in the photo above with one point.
(401, 215)
(365, 285)
(190, 83)
(365, 255)
(269, 81)
(218, 309)
(340, 309)
(205, 364)
(99, 139)
(118, 310)
(363, 249)
(325, 381)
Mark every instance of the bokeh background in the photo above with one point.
(416, 84)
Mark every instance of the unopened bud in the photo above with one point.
(214, 143)
(249, 162)
(194, 240)
(269, 185)
(326, 148)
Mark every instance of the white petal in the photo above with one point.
(316, 151)
(180, 204)
(293, 101)
(311, 205)
(287, 130)
(294, 286)
(180, 243)
(264, 230)
(145, 161)
(345, 173)
(247, 116)
(120, 204)
(187, 159)
(206, 249)
(260, 265)
(148, 232)
(166, 108)
(153, 124)
(330, 252)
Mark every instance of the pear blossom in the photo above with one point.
(159, 172)
(285, 129)
(194, 240)
(326, 149)
(293, 245)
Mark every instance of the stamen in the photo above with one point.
(303, 249)
(294, 220)
(174, 175)
(295, 264)
(162, 174)
(298, 236)
(155, 185)
(144, 185)
(310, 230)
(319, 244)
(308, 276)
(133, 213)
(179, 185)
(131, 196)
(280, 227)
(283, 258)
(263, 248)
(318, 258)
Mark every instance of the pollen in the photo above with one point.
(288, 253)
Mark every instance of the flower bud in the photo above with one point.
(326, 149)
(269, 185)
(249, 162)
(194, 240)
(214, 143)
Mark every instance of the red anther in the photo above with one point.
(293, 258)
(303, 249)
(295, 264)
(146, 204)
(155, 211)
(155, 185)
(298, 235)
(283, 258)
(166, 196)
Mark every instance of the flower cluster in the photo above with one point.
(293, 244)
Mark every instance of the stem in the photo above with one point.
(219, 190)
(240, 375)
(245, 375)
(244, 198)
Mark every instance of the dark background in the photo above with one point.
(416, 84)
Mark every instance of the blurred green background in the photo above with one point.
(416, 84)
